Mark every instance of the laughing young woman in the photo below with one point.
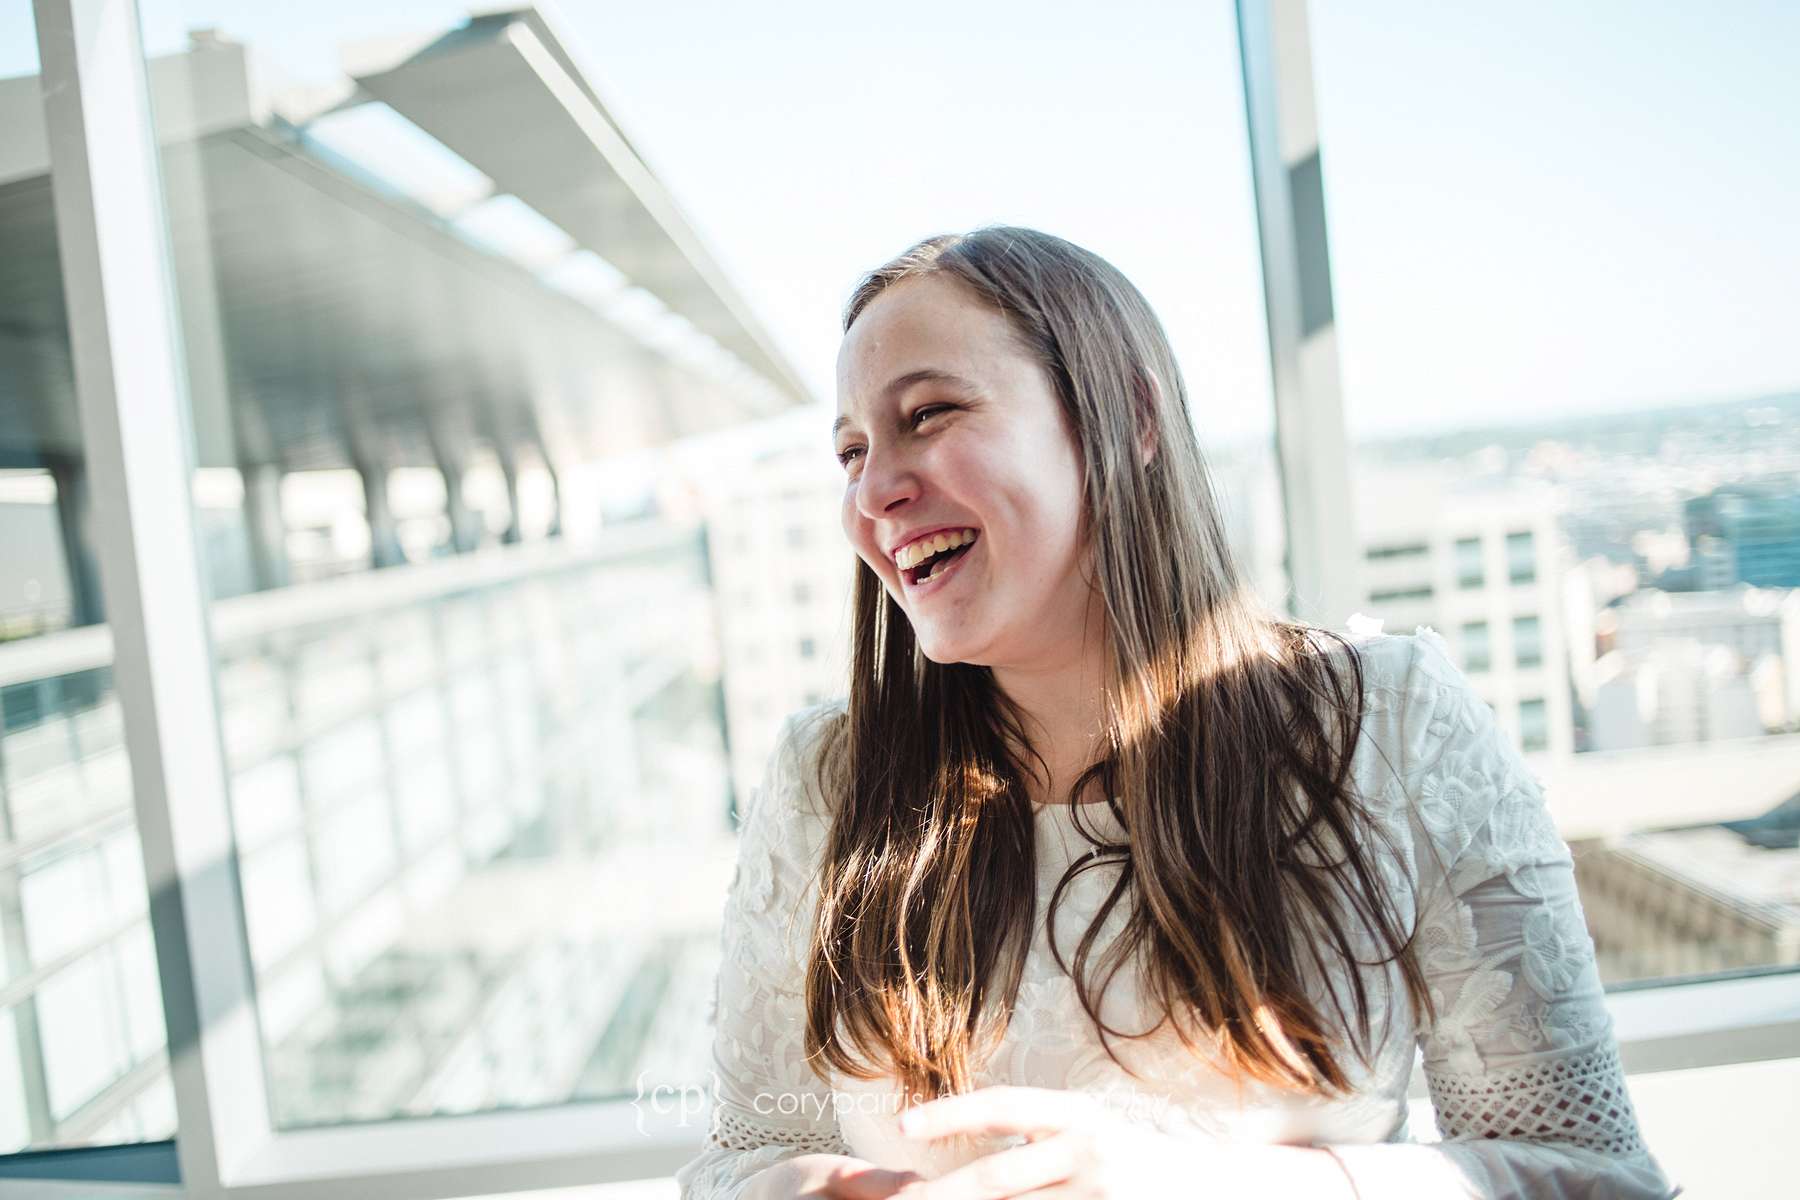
(1111, 882)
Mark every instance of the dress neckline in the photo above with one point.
(1072, 846)
(1069, 809)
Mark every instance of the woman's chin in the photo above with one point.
(943, 650)
(937, 655)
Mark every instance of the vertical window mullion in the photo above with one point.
(130, 387)
(1312, 447)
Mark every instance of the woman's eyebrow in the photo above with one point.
(898, 385)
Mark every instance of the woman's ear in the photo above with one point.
(1147, 391)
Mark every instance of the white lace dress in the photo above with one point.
(1522, 1064)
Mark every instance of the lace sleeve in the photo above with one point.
(1521, 1060)
(767, 1103)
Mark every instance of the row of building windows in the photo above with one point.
(1527, 638)
(1521, 560)
(1468, 562)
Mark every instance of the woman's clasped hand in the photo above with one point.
(1077, 1146)
(826, 1177)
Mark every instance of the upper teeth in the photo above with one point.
(914, 553)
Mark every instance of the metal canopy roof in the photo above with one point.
(502, 92)
(329, 320)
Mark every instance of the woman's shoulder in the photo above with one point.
(1393, 662)
(1416, 703)
(1431, 741)
(808, 745)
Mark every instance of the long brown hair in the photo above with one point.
(1229, 734)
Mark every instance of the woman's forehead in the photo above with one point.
(921, 336)
(904, 324)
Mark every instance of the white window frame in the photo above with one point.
(130, 382)
(131, 386)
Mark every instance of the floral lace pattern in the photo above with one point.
(1519, 1053)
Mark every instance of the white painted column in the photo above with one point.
(130, 388)
(1324, 555)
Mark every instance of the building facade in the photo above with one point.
(1482, 566)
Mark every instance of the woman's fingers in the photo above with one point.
(831, 1177)
(868, 1183)
(1021, 1171)
(999, 1110)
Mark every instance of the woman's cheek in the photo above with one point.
(884, 570)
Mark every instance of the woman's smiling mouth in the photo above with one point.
(927, 563)
(933, 574)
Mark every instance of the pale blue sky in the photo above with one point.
(1535, 208)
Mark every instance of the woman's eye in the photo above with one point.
(850, 453)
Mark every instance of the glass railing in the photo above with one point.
(450, 784)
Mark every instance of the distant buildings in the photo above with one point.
(1695, 900)
(1645, 604)
(782, 569)
(1477, 562)
(1694, 666)
(1745, 534)
(1677, 691)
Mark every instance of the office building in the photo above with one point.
(782, 570)
(1480, 564)
(1693, 666)
(1746, 534)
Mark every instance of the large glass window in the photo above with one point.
(522, 526)
(82, 1058)
(1633, 486)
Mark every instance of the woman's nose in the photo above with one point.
(885, 484)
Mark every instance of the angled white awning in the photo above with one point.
(331, 319)
(503, 93)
